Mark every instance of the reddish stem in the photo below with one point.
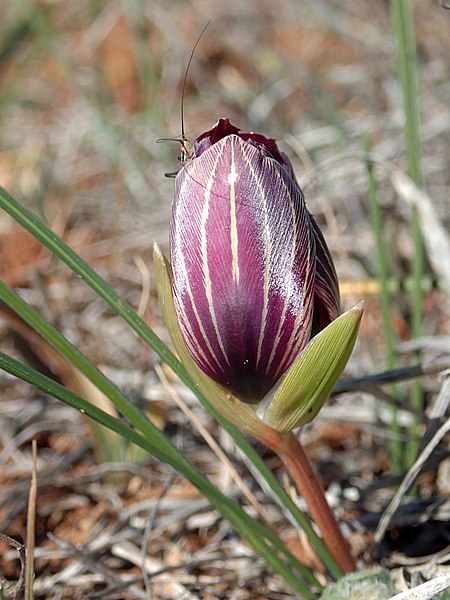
(308, 484)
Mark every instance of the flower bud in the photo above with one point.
(252, 275)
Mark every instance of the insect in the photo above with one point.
(185, 150)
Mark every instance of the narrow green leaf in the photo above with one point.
(60, 249)
(77, 358)
(256, 533)
(309, 381)
(403, 19)
(396, 445)
(48, 386)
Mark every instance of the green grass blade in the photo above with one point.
(256, 533)
(58, 247)
(396, 446)
(77, 358)
(403, 18)
(58, 391)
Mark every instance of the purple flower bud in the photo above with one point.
(252, 275)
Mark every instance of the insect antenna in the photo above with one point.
(185, 152)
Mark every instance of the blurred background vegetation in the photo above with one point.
(88, 86)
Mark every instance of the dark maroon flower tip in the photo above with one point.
(223, 128)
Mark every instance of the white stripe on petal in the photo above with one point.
(232, 177)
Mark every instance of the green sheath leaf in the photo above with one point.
(309, 381)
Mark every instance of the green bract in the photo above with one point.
(308, 383)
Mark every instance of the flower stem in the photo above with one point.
(308, 484)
